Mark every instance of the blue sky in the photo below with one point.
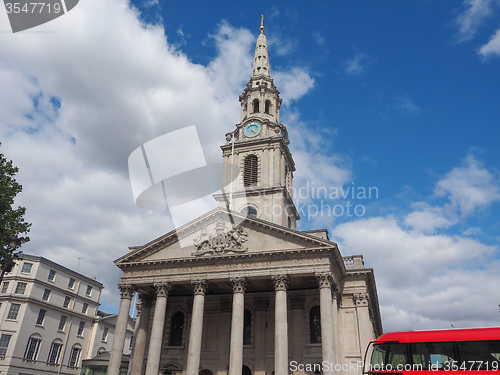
(401, 96)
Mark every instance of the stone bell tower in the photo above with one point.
(259, 183)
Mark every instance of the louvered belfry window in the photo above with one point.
(250, 170)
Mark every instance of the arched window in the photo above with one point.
(74, 356)
(315, 325)
(249, 211)
(268, 106)
(101, 350)
(176, 329)
(205, 372)
(256, 105)
(289, 222)
(246, 371)
(247, 327)
(250, 165)
(33, 346)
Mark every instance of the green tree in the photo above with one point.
(11, 219)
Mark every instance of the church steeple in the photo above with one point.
(261, 60)
(258, 147)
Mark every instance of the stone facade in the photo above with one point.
(248, 294)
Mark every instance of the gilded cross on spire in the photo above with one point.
(262, 25)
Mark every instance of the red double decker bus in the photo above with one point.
(458, 351)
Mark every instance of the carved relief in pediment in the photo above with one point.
(221, 241)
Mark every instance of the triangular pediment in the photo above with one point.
(220, 233)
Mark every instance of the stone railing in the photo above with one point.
(354, 262)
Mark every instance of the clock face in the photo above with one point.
(252, 129)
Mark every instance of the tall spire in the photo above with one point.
(261, 60)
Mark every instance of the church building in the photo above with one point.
(249, 293)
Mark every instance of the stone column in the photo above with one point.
(141, 335)
(297, 331)
(336, 325)
(325, 281)
(115, 358)
(236, 349)
(281, 326)
(364, 322)
(156, 339)
(261, 305)
(194, 349)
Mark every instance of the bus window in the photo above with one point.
(479, 355)
(398, 355)
(378, 355)
(432, 355)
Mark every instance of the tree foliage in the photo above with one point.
(11, 219)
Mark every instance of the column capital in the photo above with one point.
(162, 288)
(239, 284)
(126, 290)
(325, 279)
(360, 299)
(199, 286)
(281, 282)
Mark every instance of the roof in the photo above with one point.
(62, 268)
(468, 334)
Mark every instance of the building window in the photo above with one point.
(5, 285)
(250, 170)
(71, 283)
(176, 329)
(247, 327)
(289, 222)
(101, 350)
(81, 327)
(256, 105)
(4, 344)
(52, 275)
(20, 288)
(315, 325)
(249, 211)
(74, 357)
(55, 353)
(88, 293)
(85, 307)
(41, 317)
(105, 334)
(32, 348)
(14, 311)
(62, 323)
(67, 301)
(46, 294)
(27, 267)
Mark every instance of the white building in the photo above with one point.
(241, 291)
(49, 319)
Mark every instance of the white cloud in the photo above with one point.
(491, 48)
(422, 272)
(469, 187)
(472, 17)
(356, 66)
(293, 83)
(406, 105)
(119, 84)
(424, 281)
